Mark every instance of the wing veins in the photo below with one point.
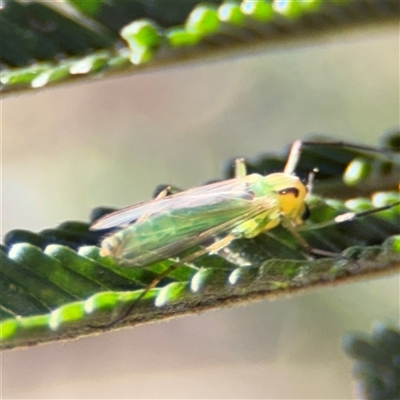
(194, 197)
(195, 239)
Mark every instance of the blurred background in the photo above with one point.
(69, 149)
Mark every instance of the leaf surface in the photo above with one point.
(55, 285)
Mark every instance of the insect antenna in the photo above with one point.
(294, 230)
(349, 216)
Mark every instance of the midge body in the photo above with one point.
(242, 207)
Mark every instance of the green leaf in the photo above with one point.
(46, 43)
(55, 284)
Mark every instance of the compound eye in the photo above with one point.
(291, 190)
(306, 213)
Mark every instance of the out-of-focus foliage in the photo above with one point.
(43, 44)
(377, 362)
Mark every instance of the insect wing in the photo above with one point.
(184, 220)
(192, 198)
(184, 240)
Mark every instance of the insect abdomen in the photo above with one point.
(140, 243)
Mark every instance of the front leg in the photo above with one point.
(307, 247)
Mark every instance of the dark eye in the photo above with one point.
(291, 190)
(306, 213)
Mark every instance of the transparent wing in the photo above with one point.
(195, 238)
(203, 195)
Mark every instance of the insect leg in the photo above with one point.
(170, 190)
(212, 249)
(161, 195)
(307, 247)
(240, 168)
(349, 145)
(294, 157)
(349, 216)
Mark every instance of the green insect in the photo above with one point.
(241, 207)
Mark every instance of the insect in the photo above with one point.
(241, 207)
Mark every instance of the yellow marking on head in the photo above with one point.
(291, 193)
